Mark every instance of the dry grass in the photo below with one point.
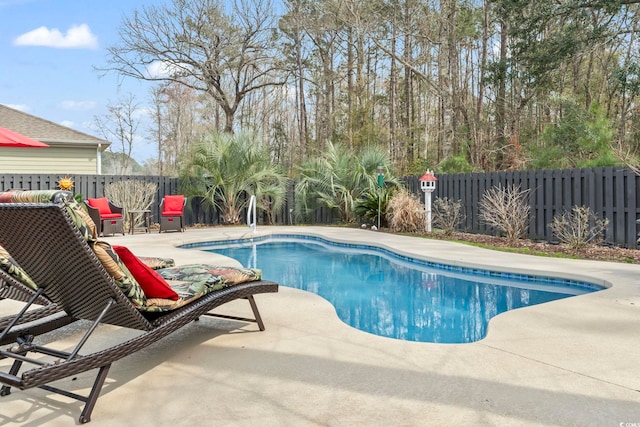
(405, 213)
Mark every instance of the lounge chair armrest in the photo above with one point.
(94, 213)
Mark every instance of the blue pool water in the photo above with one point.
(380, 292)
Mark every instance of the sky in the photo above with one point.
(49, 49)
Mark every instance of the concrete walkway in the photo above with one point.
(571, 362)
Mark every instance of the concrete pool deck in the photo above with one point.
(571, 362)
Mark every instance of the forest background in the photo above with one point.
(448, 85)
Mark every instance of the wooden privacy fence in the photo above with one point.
(196, 212)
(611, 192)
(93, 186)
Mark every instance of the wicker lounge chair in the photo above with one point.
(46, 239)
(15, 284)
(10, 288)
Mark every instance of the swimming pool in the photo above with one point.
(381, 292)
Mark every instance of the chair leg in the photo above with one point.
(15, 367)
(256, 313)
(85, 416)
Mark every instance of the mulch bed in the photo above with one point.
(591, 252)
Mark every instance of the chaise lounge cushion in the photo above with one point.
(8, 264)
(120, 273)
(192, 281)
(153, 285)
(157, 263)
(208, 278)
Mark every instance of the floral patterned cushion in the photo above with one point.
(157, 263)
(195, 280)
(14, 270)
(206, 278)
(35, 196)
(121, 275)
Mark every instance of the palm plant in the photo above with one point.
(225, 169)
(338, 178)
(373, 203)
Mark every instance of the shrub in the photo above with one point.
(578, 228)
(226, 169)
(506, 209)
(405, 213)
(338, 177)
(367, 206)
(447, 214)
(131, 195)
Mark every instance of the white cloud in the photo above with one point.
(142, 113)
(67, 123)
(78, 36)
(19, 107)
(159, 69)
(78, 105)
(89, 125)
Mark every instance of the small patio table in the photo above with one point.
(146, 214)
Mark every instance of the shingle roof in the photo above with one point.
(44, 130)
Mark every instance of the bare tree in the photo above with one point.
(194, 43)
(292, 25)
(119, 126)
(179, 107)
(158, 127)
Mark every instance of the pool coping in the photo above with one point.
(568, 362)
(522, 275)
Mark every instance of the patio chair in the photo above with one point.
(46, 314)
(172, 213)
(14, 289)
(106, 215)
(86, 278)
(15, 283)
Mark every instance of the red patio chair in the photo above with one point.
(109, 218)
(172, 213)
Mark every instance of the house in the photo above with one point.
(69, 152)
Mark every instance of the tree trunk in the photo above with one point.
(501, 99)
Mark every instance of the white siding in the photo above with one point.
(80, 160)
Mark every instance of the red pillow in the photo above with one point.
(173, 204)
(102, 204)
(153, 285)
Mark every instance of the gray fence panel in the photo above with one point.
(611, 193)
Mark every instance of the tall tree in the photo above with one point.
(120, 126)
(196, 44)
(292, 24)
